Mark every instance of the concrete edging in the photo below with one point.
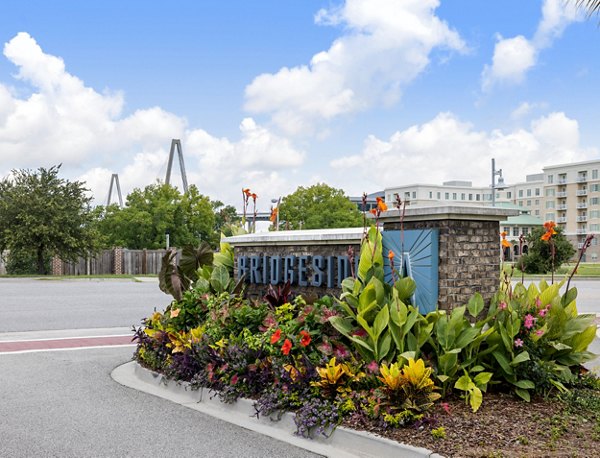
(343, 442)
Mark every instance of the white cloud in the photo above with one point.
(447, 148)
(385, 46)
(64, 121)
(514, 57)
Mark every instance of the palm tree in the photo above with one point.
(592, 6)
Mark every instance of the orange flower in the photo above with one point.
(246, 191)
(273, 217)
(374, 211)
(287, 346)
(381, 204)
(391, 257)
(305, 340)
(549, 226)
(505, 243)
(254, 196)
(276, 336)
(175, 313)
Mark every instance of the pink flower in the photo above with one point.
(373, 367)
(341, 352)
(543, 312)
(502, 305)
(446, 407)
(518, 343)
(234, 379)
(538, 302)
(325, 348)
(529, 321)
(539, 332)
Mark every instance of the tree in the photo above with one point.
(538, 259)
(43, 215)
(318, 207)
(157, 210)
(225, 216)
(592, 6)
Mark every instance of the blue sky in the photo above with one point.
(274, 94)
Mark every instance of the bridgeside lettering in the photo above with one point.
(304, 270)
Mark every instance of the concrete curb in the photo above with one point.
(343, 443)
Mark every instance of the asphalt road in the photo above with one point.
(65, 404)
(28, 304)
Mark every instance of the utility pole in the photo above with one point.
(176, 143)
(114, 180)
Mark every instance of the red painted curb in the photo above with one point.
(56, 344)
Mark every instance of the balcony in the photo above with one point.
(581, 178)
(582, 205)
(562, 180)
(582, 219)
(561, 207)
(561, 194)
(580, 245)
(561, 219)
(581, 231)
(582, 192)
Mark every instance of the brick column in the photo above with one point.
(118, 257)
(57, 266)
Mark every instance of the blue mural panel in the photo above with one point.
(415, 255)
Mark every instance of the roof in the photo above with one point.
(523, 220)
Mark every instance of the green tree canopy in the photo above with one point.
(318, 207)
(538, 259)
(158, 209)
(43, 215)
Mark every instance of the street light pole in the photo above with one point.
(500, 181)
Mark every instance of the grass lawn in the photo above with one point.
(584, 270)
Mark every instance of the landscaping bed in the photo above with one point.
(497, 379)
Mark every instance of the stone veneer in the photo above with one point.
(469, 248)
(326, 242)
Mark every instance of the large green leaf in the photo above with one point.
(192, 258)
(475, 305)
(381, 321)
(406, 287)
(503, 361)
(521, 357)
(219, 280)
(370, 253)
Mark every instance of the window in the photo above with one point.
(595, 214)
(462, 196)
(414, 194)
(431, 194)
(407, 195)
(477, 197)
(594, 200)
(520, 203)
(506, 229)
(520, 193)
(537, 191)
(537, 213)
(595, 242)
(529, 193)
(439, 195)
(595, 187)
(550, 204)
(529, 203)
(537, 201)
(470, 196)
(595, 174)
(550, 179)
(515, 231)
(525, 231)
(508, 194)
(594, 227)
(549, 216)
(453, 196)
(550, 192)
(447, 196)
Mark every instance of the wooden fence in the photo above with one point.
(115, 261)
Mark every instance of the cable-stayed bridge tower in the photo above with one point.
(176, 143)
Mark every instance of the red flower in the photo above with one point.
(305, 340)
(287, 346)
(276, 336)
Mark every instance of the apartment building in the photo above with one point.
(572, 199)
(568, 194)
